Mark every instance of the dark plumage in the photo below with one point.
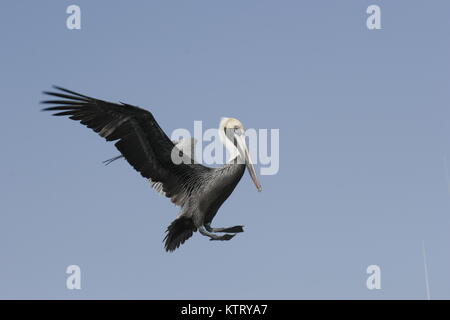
(197, 189)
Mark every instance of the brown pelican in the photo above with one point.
(198, 190)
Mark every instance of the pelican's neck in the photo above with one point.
(233, 155)
(231, 148)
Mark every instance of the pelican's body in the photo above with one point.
(219, 184)
(198, 190)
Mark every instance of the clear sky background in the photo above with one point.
(365, 142)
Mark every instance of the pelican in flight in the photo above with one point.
(198, 190)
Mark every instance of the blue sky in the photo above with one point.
(364, 147)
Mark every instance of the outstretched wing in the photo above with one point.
(139, 139)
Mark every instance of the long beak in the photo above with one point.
(248, 161)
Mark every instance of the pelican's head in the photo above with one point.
(232, 133)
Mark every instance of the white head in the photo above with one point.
(232, 134)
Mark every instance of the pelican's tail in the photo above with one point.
(178, 232)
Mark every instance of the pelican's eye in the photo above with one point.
(238, 130)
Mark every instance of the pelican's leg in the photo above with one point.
(213, 236)
(234, 229)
